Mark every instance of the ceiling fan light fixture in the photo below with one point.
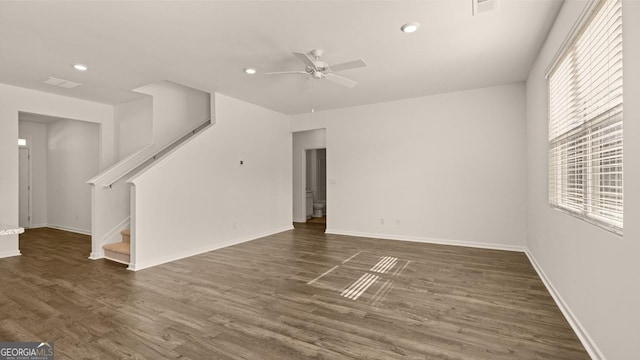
(250, 71)
(410, 27)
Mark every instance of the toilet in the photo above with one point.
(318, 208)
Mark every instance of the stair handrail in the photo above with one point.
(150, 158)
(165, 149)
(120, 164)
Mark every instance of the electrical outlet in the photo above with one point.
(381, 221)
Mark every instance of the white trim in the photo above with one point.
(115, 260)
(298, 220)
(585, 15)
(29, 183)
(10, 253)
(97, 255)
(105, 173)
(69, 229)
(492, 246)
(204, 249)
(37, 226)
(114, 235)
(593, 219)
(142, 156)
(172, 149)
(573, 321)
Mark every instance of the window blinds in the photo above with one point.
(585, 122)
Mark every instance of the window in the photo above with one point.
(585, 121)
(22, 142)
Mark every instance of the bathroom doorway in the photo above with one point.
(316, 185)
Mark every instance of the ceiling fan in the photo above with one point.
(321, 70)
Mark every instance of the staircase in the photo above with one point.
(119, 252)
(111, 197)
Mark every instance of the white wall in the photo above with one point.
(37, 135)
(596, 273)
(305, 122)
(313, 139)
(200, 198)
(133, 123)
(14, 99)
(447, 167)
(176, 109)
(73, 152)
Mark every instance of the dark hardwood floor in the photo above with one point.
(300, 294)
(317, 220)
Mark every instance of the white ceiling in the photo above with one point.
(207, 44)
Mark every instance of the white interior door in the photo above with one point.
(24, 188)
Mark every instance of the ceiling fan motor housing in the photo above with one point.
(321, 65)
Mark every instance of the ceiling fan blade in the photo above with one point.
(348, 65)
(286, 72)
(306, 59)
(341, 80)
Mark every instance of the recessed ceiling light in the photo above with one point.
(80, 67)
(250, 71)
(410, 27)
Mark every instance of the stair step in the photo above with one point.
(119, 252)
(126, 235)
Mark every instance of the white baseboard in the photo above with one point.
(575, 324)
(188, 253)
(492, 246)
(70, 229)
(96, 255)
(299, 220)
(37, 226)
(10, 253)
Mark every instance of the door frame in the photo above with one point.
(29, 181)
(304, 171)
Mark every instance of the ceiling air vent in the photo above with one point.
(61, 83)
(480, 6)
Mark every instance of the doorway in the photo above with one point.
(24, 187)
(316, 185)
(63, 155)
(304, 141)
